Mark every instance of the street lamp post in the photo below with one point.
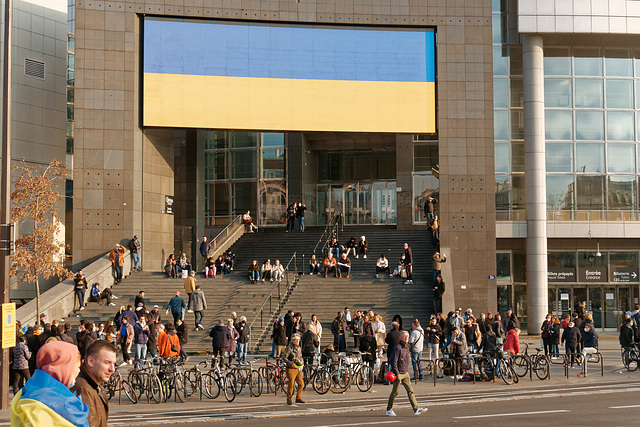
(5, 193)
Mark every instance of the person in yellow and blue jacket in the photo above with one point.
(45, 400)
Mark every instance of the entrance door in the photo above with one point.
(351, 204)
(337, 200)
(594, 305)
(324, 204)
(383, 195)
(364, 204)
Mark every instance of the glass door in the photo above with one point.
(337, 201)
(378, 196)
(392, 217)
(324, 202)
(553, 306)
(364, 204)
(610, 318)
(351, 204)
(579, 295)
(623, 303)
(594, 305)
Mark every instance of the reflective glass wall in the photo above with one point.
(244, 171)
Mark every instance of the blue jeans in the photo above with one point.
(345, 268)
(435, 275)
(189, 302)
(199, 315)
(554, 349)
(335, 252)
(343, 344)
(118, 271)
(415, 362)
(273, 349)
(136, 261)
(301, 223)
(254, 275)
(242, 351)
(141, 354)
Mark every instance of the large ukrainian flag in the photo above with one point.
(241, 76)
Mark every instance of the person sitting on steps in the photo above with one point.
(330, 265)
(254, 272)
(344, 264)
(363, 247)
(266, 271)
(382, 265)
(314, 265)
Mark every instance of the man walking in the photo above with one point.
(205, 248)
(176, 305)
(134, 248)
(293, 358)
(189, 287)
(399, 365)
(96, 369)
(199, 305)
(117, 261)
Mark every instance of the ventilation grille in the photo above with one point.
(33, 68)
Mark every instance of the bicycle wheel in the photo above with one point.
(191, 382)
(255, 383)
(521, 365)
(229, 386)
(541, 366)
(167, 390)
(364, 378)
(241, 376)
(506, 373)
(129, 391)
(210, 385)
(322, 381)
(340, 380)
(154, 390)
(179, 387)
(137, 382)
(634, 355)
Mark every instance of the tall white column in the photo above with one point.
(535, 180)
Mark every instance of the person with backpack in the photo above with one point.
(134, 248)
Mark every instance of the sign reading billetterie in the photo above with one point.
(237, 75)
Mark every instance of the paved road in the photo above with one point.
(558, 405)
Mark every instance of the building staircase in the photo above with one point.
(304, 293)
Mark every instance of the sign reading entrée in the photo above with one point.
(593, 274)
(8, 325)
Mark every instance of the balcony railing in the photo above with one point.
(575, 215)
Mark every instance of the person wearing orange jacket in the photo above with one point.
(117, 261)
(168, 341)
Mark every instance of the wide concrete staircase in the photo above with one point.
(323, 297)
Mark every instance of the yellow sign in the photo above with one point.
(8, 325)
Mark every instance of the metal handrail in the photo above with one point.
(328, 231)
(229, 229)
(269, 298)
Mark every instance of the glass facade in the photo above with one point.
(244, 171)
(70, 89)
(426, 153)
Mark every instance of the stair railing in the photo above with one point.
(329, 230)
(233, 226)
(269, 297)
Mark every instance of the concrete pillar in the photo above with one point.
(535, 180)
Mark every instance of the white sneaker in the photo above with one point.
(365, 257)
(189, 311)
(112, 304)
(390, 413)
(114, 297)
(123, 364)
(391, 275)
(420, 411)
(376, 276)
(310, 274)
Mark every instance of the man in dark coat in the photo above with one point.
(393, 336)
(96, 369)
(205, 248)
(309, 343)
(399, 362)
(339, 331)
(220, 339)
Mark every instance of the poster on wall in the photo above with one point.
(238, 75)
(561, 274)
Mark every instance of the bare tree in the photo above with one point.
(35, 204)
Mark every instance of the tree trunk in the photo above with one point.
(37, 301)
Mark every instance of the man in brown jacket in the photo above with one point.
(96, 369)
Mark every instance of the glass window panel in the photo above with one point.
(216, 140)
(495, 5)
(590, 158)
(497, 28)
(621, 158)
(619, 93)
(273, 199)
(383, 165)
(499, 62)
(560, 192)
(503, 192)
(620, 125)
(244, 139)
(589, 93)
(517, 124)
(501, 125)
(590, 125)
(558, 124)
(516, 92)
(562, 266)
(587, 62)
(590, 192)
(423, 187)
(625, 263)
(622, 192)
(503, 267)
(557, 62)
(425, 157)
(518, 198)
(273, 163)
(243, 199)
(273, 139)
(559, 157)
(502, 156)
(243, 164)
(557, 93)
(221, 166)
(519, 268)
(217, 199)
(517, 157)
(209, 163)
(617, 63)
(515, 63)
(357, 165)
(501, 93)
(70, 94)
(589, 261)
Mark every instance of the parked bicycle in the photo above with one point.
(117, 384)
(537, 363)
